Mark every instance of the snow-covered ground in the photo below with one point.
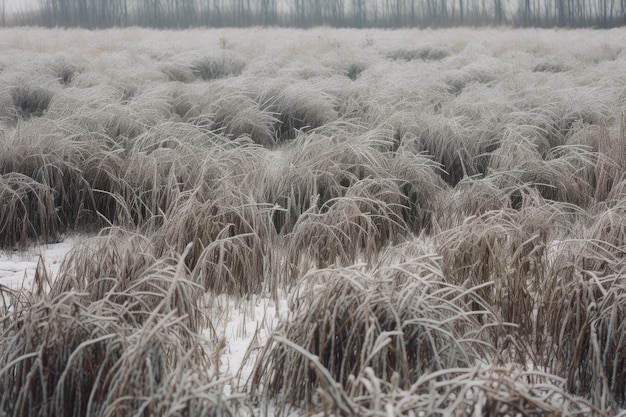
(17, 268)
(244, 324)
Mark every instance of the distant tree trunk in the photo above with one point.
(526, 13)
(218, 14)
(358, 9)
(442, 12)
(398, 14)
(497, 7)
(268, 12)
(318, 15)
(374, 12)
(299, 12)
(431, 10)
(156, 13)
(388, 12)
(83, 16)
(124, 13)
(560, 12)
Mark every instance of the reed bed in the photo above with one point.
(444, 211)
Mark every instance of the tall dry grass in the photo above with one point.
(446, 208)
(28, 212)
(583, 311)
(81, 350)
(488, 391)
(396, 321)
(507, 255)
(231, 238)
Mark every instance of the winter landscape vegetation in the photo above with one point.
(322, 222)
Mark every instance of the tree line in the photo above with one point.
(334, 13)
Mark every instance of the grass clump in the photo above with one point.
(87, 360)
(611, 165)
(297, 106)
(421, 187)
(28, 213)
(179, 72)
(316, 168)
(566, 173)
(40, 150)
(589, 338)
(427, 53)
(350, 228)
(213, 67)
(347, 322)
(30, 101)
(551, 67)
(65, 71)
(504, 252)
(237, 115)
(120, 267)
(120, 125)
(232, 237)
(446, 141)
(355, 69)
(481, 390)
(310, 171)
(150, 184)
(118, 333)
(472, 197)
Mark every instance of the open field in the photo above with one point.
(322, 222)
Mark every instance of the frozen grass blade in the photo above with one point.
(391, 319)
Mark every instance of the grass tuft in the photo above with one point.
(481, 390)
(297, 106)
(87, 360)
(31, 101)
(237, 115)
(551, 67)
(28, 212)
(391, 321)
(346, 229)
(589, 338)
(179, 72)
(232, 237)
(506, 249)
(427, 53)
(214, 67)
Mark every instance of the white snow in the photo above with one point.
(17, 268)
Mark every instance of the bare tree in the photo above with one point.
(498, 12)
(304, 13)
(268, 12)
(359, 13)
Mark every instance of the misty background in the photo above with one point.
(308, 13)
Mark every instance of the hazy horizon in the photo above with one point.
(13, 6)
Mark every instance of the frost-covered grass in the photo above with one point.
(330, 222)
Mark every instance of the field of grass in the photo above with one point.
(321, 222)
